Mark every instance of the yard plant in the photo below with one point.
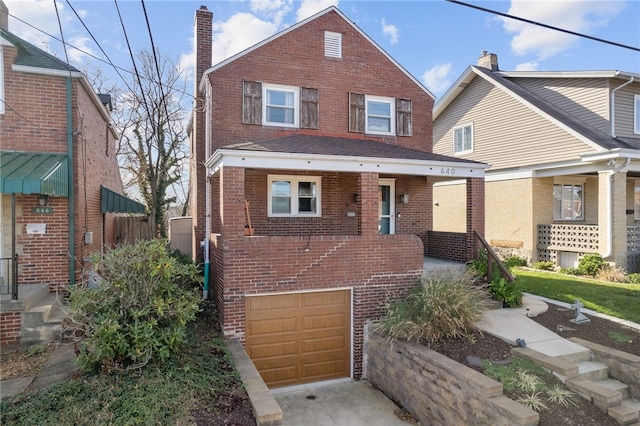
(139, 310)
(439, 307)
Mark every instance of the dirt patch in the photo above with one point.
(19, 361)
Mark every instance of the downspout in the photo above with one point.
(610, 206)
(613, 106)
(72, 213)
(207, 195)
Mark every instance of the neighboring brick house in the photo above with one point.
(60, 184)
(564, 151)
(323, 142)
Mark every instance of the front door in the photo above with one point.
(387, 206)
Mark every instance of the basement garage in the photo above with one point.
(299, 338)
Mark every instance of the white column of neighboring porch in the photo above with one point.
(612, 216)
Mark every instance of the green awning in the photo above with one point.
(34, 173)
(112, 202)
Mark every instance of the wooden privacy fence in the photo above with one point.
(134, 228)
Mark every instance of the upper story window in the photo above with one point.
(332, 44)
(636, 114)
(279, 105)
(463, 139)
(379, 115)
(294, 196)
(568, 201)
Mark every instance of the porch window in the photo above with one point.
(463, 139)
(568, 202)
(291, 196)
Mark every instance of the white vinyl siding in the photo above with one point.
(626, 112)
(636, 114)
(294, 196)
(507, 132)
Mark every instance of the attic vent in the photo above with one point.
(332, 44)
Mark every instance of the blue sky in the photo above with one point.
(434, 40)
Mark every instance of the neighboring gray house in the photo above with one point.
(564, 150)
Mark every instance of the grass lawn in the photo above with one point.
(615, 299)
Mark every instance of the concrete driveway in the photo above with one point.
(336, 403)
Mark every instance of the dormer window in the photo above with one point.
(332, 45)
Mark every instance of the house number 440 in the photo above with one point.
(447, 171)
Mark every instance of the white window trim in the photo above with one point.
(573, 182)
(453, 135)
(1, 82)
(296, 104)
(636, 114)
(295, 179)
(392, 112)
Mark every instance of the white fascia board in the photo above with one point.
(542, 171)
(568, 74)
(46, 71)
(612, 154)
(453, 91)
(336, 163)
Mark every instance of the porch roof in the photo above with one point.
(34, 173)
(342, 154)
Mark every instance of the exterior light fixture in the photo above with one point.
(405, 198)
(43, 200)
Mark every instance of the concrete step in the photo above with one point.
(627, 412)
(601, 396)
(577, 356)
(42, 322)
(616, 385)
(592, 370)
(28, 296)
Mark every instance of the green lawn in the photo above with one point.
(616, 299)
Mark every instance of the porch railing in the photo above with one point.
(9, 276)
(492, 259)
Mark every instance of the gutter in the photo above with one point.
(72, 213)
(613, 105)
(610, 206)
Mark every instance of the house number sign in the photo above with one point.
(42, 210)
(444, 171)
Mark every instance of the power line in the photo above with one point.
(64, 46)
(540, 24)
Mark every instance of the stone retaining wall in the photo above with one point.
(437, 390)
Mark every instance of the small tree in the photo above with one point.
(139, 311)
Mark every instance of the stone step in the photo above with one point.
(616, 385)
(601, 396)
(626, 413)
(577, 356)
(42, 322)
(28, 296)
(593, 370)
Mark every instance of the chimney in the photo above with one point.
(202, 41)
(4, 18)
(488, 60)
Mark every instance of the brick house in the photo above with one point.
(60, 186)
(321, 142)
(563, 148)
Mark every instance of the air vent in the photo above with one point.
(332, 44)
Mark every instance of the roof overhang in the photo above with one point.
(112, 202)
(341, 163)
(612, 154)
(34, 173)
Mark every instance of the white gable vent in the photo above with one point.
(332, 44)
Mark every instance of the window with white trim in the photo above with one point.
(380, 115)
(294, 196)
(568, 201)
(281, 106)
(636, 114)
(463, 139)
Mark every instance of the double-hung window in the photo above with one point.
(463, 139)
(291, 196)
(380, 113)
(281, 106)
(568, 201)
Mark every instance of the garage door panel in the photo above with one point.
(323, 370)
(282, 376)
(323, 344)
(272, 326)
(268, 303)
(273, 350)
(323, 322)
(332, 298)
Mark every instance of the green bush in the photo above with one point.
(570, 271)
(515, 261)
(633, 278)
(139, 311)
(509, 293)
(591, 263)
(437, 308)
(479, 267)
(544, 265)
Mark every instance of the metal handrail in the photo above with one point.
(12, 268)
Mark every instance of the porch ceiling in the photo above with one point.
(341, 154)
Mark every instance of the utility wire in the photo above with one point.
(528, 21)
(64, 46)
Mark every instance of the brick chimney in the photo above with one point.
(202, 33)
(488, 60)
(4, 18)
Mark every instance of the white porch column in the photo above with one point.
(612, 217)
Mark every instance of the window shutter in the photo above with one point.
(403, 117)
(357, 117)
(309, 108)
(251, 102)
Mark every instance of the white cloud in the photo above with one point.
(438, 78)
(275, 10)
(239, 32)
(580, 16)
(310, 7)
(41, 14)
(83, 43)
(527, 66)
(391, 31)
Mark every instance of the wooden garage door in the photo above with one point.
(299, 338)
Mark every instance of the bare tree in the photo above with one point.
(153, 151)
